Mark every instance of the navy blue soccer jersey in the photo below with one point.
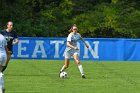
(10, 36)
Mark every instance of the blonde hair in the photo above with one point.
(74, 25)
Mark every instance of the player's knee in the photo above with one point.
(77, 62)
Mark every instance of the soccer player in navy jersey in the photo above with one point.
(12, 39)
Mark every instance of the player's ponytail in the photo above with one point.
(70, 29)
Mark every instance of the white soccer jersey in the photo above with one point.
(73, 38)
(3, 43)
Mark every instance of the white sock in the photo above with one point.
(81, 69)
(1, 82)
(62, 69)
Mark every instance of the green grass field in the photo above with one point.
(41, 76)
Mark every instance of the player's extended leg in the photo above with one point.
(66, 65)
(2, 90)
(67, 59)
(1, 81)
(8, 59)
(76, 58)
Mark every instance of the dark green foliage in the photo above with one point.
(53, 18)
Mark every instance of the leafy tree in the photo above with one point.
(53, 18)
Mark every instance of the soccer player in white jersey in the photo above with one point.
(72, 50)
(3, 59)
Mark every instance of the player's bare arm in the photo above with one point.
(84, 42)
(71, 46)
(7, 52)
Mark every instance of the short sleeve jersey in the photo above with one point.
(73, 38)
(10, 36)
(3, 43)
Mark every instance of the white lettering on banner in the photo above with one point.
(20, 48)
(39, 48)
(39, 44)
(56, 47)
(78, 45)
(12, 55)
(93, 52)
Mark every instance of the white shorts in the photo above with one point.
(70, 53)
(3, 59)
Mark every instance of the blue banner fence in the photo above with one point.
(116, 49)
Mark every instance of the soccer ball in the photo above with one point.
(63, 75)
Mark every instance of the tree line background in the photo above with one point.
(53, 18)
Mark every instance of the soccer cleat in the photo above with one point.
(3, 91)
(83, 76)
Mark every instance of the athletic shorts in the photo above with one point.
(3, 59)
(70, 53)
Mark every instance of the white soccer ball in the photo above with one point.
(63, 75)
